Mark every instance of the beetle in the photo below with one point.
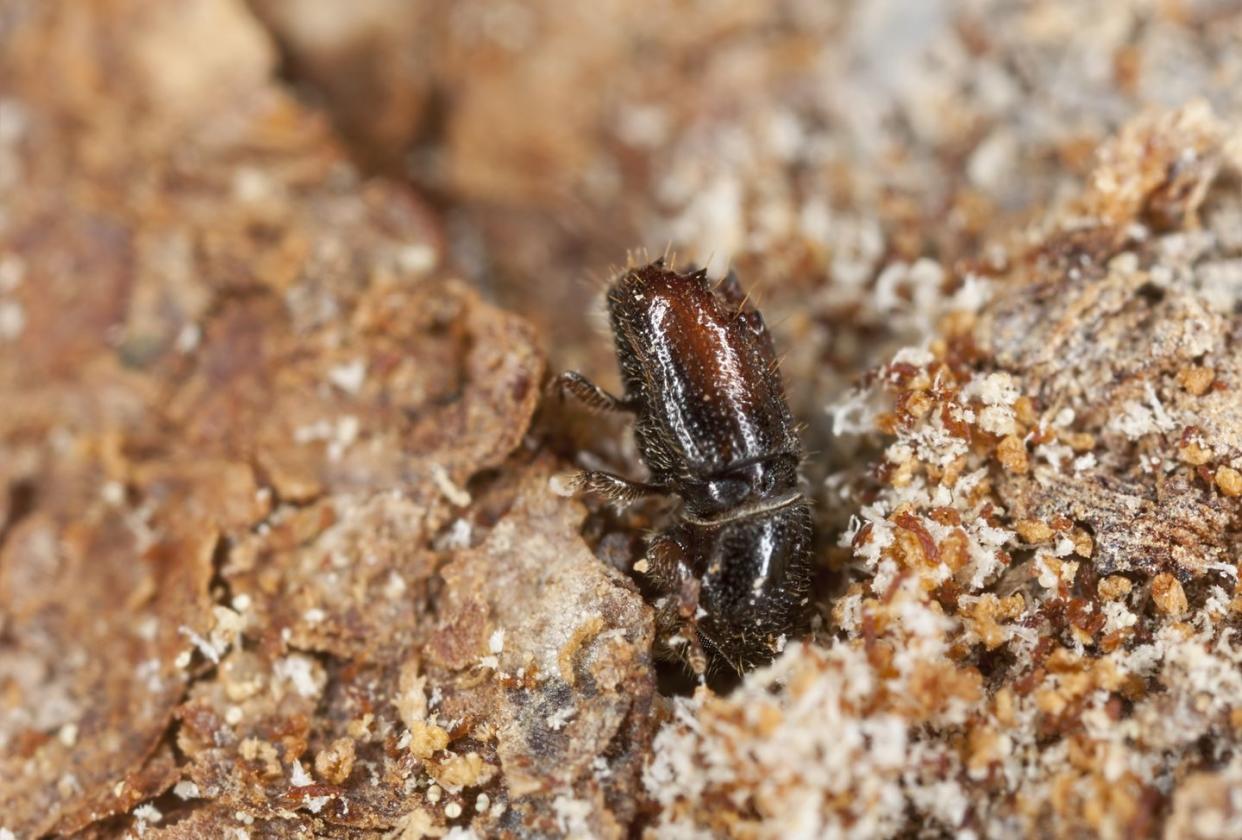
(712, 426)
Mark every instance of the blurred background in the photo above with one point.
(863, 165)
(849, 158)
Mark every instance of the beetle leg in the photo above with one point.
(588, 393)
(687, 602)
(665, 563)
(678, 614)
(612, 487)
(680, 637)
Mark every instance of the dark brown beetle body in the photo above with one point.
(713, 427)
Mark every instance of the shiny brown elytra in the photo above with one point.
(713, 427)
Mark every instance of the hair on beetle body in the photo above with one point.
(712, 425)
